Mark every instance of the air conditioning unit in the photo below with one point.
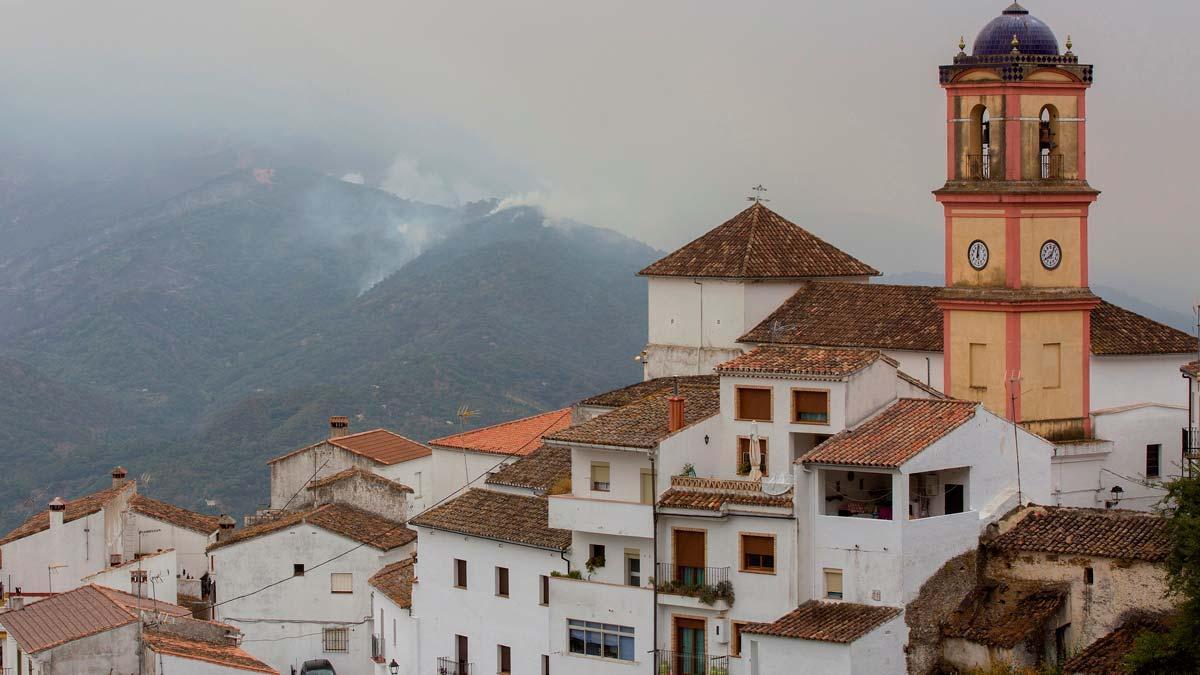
(723, 632)
(928, 485)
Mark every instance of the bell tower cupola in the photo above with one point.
(1017, 309)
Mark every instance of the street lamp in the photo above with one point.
(1116, 491)
(393, 667)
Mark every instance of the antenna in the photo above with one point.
(465, 413)
(757, 197)
(777, 327)
(1014, 379)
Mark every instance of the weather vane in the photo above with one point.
(758, 198)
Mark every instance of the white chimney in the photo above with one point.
(58, 509)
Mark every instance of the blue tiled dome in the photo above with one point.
(1033, 36)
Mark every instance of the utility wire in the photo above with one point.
(305, 483)
(396, 527)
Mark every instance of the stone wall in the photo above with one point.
(939, 596)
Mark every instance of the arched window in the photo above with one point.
(1051, 162)
(979, 159)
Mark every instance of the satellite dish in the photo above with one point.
(778, 484)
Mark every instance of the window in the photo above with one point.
(745, 461)
(647, 487)
(633, 567)
(753, 403)
(417, 480)
(758, 553)
(341, 582)
(502, 582)
(503, 660)
(600, 474)
(1089, 576)
(596, 559)
(810, 407)
(978, 366)
(833, 584)
(297, 569)
(1052, 366)
(336, 639)
(545, 664)
(1153, 454)
(460, 573)
(605, 640)
(138, 576)
(735, 639)
(544, 590)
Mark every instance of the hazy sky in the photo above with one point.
(649, 117)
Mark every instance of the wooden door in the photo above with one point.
(689, 548)
(689, 646)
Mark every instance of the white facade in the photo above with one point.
(291, 473)
(396, 629)
(455, 470)
(286, 624)
(160, 570)
(1118, 381)
(879, 652)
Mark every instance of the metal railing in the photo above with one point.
(686, 575)
(689, 663)
(1052, 167)
(1191, 452)
(376, 646)
(447, 665)
(983, 167)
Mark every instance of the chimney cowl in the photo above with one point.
(339, 425)
(226, 522)
(675, 410)
(57, 504)
(118, 476)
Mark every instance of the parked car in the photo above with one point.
(317, 667)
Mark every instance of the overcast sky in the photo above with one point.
(650, 117)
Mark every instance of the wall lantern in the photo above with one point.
(393, 667)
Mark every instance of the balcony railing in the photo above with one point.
(1052, 167)
(451, 666)
(1191, 451)
(983, 167)
(689, 663)
(377, 647)
(685, 575)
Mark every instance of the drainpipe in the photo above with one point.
(563, 554)
(654, 551)
(700, 344)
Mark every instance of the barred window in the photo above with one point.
(336, 639)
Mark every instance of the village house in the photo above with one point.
(395, 645)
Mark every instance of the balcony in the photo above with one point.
(377, 648)
(1052, 167)
(602, 516)
(694, 587)
(1191, 451)
(447, 665)
(689, 663)
(984, 167)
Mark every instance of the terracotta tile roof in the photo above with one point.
(1191, 369)
(361, 473)
(380, 445)
(1106, 656)
(1108, 533)
(759, 244)
(539, 471)
(804, 362)
(516, 437)
(712, 494)
(881, 316)
(76, 509)
(842, 622)
(395, 581)
(82, 612)
(1120, 331)
(348, 521)
(1005, 613)
(174, 515)
(639, 390)
(497, 515)
(221, 654)
(895, 435)
(644, 423)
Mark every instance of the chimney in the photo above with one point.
(16, 601)
(118, 476)
(674, 413)
(339, 425)
(58, 509)
(226, 525)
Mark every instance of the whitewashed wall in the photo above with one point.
(166, 664)
(453, 468)
(416, 474)
(606, 603)
(927, 367)
(398, 628)
(1130, 432)
(190, 546)
(1125, 380)
(160, 571)
(79, 546)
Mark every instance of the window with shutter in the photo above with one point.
(810, 407)
(600, 475)
(833, 584)
(753, 403)
(758, 553)
(341, 582)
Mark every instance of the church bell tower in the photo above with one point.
(1016, 308)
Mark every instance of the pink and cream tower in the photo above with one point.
(1017, 309)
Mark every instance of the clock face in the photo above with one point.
(1051, 254)
(977, 254)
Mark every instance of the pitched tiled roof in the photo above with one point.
(359, 472)
(395, 581)
(644, 423)
(177, 516)
(76, 509)
(1106, 656)
(539, 471)
(895, 435)
(1109, 533)
(639, 390)
(804, 362)
(711, 494)
(516, 437)
(881, 316)
(361, 526)
(222, 654)
(380, 445)
(82, 612)
(1120, 331)
(759, 244)
(842, 622)
(1005, 613)
(497, 515)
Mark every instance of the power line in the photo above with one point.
(398, 526)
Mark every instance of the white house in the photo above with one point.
(395, 634)
(297, 585)
(378, 451)
(483, 584)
